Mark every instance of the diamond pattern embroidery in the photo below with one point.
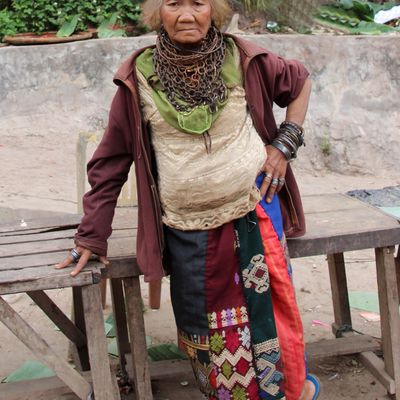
(216, 343)
(255, 275)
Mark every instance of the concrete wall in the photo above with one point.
(56, 91)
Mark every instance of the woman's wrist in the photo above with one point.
(289, 139)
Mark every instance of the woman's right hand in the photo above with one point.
(85, 255)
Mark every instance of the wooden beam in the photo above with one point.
(338, 347)
(389, 311)
(120, 322)
(67, 327)
(44, 389)
(104, 383)
(141, 372)
(376, 366)
(340, 295)
(43, 278)
(43, 352)
(79, 354)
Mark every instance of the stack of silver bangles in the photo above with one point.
(290, 138)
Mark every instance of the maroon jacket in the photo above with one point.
(268, 79)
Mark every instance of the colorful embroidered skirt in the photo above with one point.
(233, 299)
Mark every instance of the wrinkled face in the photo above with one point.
(186, 21)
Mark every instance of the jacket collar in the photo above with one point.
(248, 51)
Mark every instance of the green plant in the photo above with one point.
(39, 16)
(354, 16)
(325, 145)
(108, 28)
(8, 24)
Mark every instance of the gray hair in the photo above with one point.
(220, 12)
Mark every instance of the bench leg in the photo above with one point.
(137, 335)
(389, 311)
(397, 262)
(120, 323)
(340, 294)
(43, 351)
(79, 353)
(104, 384)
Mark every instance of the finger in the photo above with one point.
(69, 260)
(280, 185)
(265, 183)
(81, 263)
(272, 189)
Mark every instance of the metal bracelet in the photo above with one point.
(286, 152)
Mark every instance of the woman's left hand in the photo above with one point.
(275, 172)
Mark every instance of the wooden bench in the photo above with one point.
(336, 224)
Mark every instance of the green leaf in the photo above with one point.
(105, 33)
(346, 4)
(68, 27)
(371, 28)
(363, 10)
(107, 28)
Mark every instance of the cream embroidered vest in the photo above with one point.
(201, 190)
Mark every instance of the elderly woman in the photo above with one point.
(216, 195)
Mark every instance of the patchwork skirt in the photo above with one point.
(235, 307)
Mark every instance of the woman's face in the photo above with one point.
(186, 21)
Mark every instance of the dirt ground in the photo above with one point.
(38, 178)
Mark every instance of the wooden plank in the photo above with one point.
(32, 260)
(389, 311)
(340, 295)
(376, 366)
(51, 309)
(17, 282)
(121, 268)
(43, 352)
(307, 246)
(44, 389)
(163, 369)
(37, 237)
(79, 353)
(39, 260)
(325, 202)
(120, 323)
(36, 247)
(338, 347)
(15, 256)
(103, 381)
(141, 372)
(43, 224)
(397, 262)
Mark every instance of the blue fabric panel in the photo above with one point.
(273, 209)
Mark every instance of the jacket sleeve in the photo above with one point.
(286, 79)
(107, 172)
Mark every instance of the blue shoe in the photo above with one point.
(317, 384)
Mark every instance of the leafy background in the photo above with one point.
(110, 18)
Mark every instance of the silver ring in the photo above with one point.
(281, 181)
(268, 177)
(75, 255)
(275, 182)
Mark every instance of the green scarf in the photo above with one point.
(200, 118)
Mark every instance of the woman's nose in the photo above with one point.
(186, 15)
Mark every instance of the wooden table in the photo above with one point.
(28, 252)
(336, 224)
